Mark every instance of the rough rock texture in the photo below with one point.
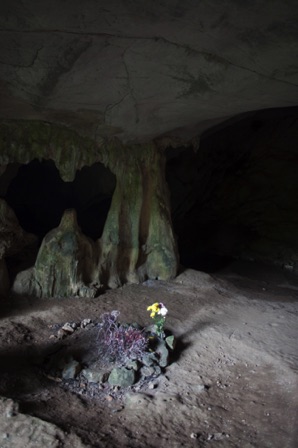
(12, 236)
(65, 264)
(23, 141)
(12, 240)
(137, 240)
(141, 69)
(18, 430)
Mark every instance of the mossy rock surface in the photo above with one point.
(122, 377)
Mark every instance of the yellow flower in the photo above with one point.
(154, 309)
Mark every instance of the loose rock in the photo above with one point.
(122, 377)
(68, 327)
(71, 370)
(85, 322)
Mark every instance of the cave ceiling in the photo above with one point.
(139, 70)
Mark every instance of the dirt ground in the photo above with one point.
(232, 380)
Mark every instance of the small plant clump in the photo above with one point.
(120, 343)
(158, 313)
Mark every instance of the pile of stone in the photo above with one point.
(68, 369)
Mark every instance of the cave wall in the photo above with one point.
(237, 195)
(137, 241)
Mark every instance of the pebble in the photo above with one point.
(217, 436)
(11, 408)
(194, 435)
(117, 409)
(68, 328)
(71, 369)
(85, 322)
(61, 334)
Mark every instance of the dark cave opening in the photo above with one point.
(236, 195)
(39, 196)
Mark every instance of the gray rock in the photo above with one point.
(68, 327)
(163, 353)
(71, 370)
(122, 377)
(132, 364)
(61, 334)
(150, 328)
(157, 371)
(95, 375)
(149, 359)
(147, 371)
(85, 322)
(170, 340)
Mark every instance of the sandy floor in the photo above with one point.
(232, 381)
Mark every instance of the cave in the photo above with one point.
(235, 198)
(148, 155)
(39, 196)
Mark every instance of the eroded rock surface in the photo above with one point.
(65, 264)
(19, 430)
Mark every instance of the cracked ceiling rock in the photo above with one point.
(147, 69)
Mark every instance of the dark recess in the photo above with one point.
(237, 190)
(39, 197)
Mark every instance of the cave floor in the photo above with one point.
(232, 380)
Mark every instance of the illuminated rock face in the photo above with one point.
(65, 265)
(137, 240)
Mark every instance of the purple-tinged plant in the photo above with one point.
(120, 343)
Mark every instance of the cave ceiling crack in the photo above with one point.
(30, 65)
(130, 92)
(207, 55)
(129, 83)
(111, 106)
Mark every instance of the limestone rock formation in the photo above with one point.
(12, 240)
(138, 241)
(65, 265)
(12, 237)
